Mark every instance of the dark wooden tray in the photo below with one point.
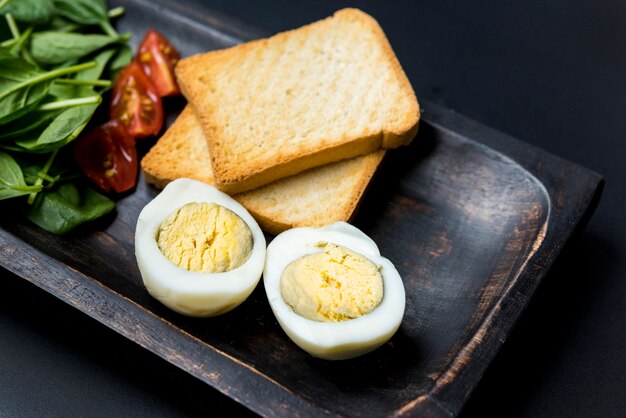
(471, 218)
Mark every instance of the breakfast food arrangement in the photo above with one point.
(293, 127)
(276, 230)
(282, 134)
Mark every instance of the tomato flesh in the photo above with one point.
(158, 58)
(108, 157)
(135, 103)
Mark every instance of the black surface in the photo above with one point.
(551, 75)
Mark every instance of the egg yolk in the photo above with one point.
(334, 285)
(205, 237)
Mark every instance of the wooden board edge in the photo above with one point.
(257, 392)
(452, 390)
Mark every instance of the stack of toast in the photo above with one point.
(293, 126)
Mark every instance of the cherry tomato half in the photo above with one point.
(135, 103)
(107, 155)
(158, 58)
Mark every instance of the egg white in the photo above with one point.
(187, 292)
(334, 340)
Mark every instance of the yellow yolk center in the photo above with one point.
(205, 237)
(334, 285)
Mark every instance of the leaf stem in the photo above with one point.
(108, 29)
(61, 104)
(49, 178)
(41, 175)
(15, 32)
(69, 28)
(47, 76)
(34, 188)
(9, 42)
(3, 3)
(19, 41)
(115, 12)
(124, 37)
(99, 83)
(20, 38)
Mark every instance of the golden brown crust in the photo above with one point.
(404, 131)
(177, 155)
(234, 171)
(313, 198)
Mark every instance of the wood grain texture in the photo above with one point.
(471, 218)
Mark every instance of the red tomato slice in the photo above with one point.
(158, 58)
(135, 103)
(107, 155)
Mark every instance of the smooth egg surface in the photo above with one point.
(196, 293)
(325, 339)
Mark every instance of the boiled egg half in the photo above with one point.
(199, 252)
(332, 292)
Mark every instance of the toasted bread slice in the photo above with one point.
(274, 107)
(315, 197)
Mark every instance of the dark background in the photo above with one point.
(551, 73)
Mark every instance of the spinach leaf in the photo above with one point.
(61, 47)
(85, 12)
(27, 124)
(63, 208)
(101, 60)
(23, 87)
(48, 94)
(58, 23)
(68, 91)
(63, 129)
(32, 166)
(17, 95)
(12, 65)
(62, 168)
(30, 11)
(12, 182)
(17, 44)
(122, 58)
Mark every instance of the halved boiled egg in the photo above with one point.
(199, 252)
(332, 292)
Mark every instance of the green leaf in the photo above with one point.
(12, 67)
(22, 101)
(66, 91)
(27, 124)
(61, 131)
(60, 47)
(31, 165)
(12, 182)
(30, 11)
(16, 47)
(122, 58)
(86, 12)
(58, 23)
(101, 60)
(34, 165)
(65, 207)
(17, 96)
(23, 87)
